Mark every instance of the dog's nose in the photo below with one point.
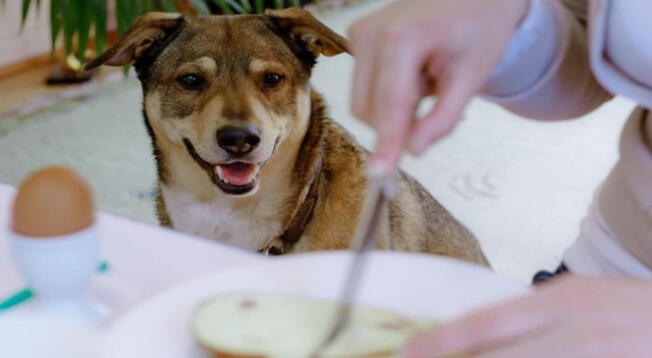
(238, 140)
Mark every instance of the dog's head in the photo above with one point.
(227, 91)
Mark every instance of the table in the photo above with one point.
(143, 259)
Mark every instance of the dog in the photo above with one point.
(245, 151)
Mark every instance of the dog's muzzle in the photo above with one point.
(233, 178)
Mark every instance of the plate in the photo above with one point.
(416, 285)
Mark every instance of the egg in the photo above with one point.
(53, 201)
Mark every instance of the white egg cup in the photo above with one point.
(59, 271)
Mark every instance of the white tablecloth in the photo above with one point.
(143, 259)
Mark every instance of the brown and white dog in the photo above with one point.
(246, 153)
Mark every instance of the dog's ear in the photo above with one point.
(146, 30)
(300, 25)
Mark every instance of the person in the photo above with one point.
(547, 60)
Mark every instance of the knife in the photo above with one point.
(382, 189)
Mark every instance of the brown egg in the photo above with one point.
(52, 201)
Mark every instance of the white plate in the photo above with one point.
(415, 285)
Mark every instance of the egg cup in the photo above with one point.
(59, 271)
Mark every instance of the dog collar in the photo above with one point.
(297, 225)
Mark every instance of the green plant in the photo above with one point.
(75, 21)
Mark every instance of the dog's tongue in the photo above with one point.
(237, 173)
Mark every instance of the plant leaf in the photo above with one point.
(259, 6)
(55, 22)
(234, 4)
(23, 13)
(279, 4)
(135, 9)
(84, 20)
(123, 15)
(246, 5)
(69, 20)
(296, 3)
(223, 6)
(100, 10)
(147, 6)
(169, 6)
(200, 6)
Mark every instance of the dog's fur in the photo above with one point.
(231, 54)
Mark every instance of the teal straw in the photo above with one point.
(16, 299)
(103, 267)
(25, 294)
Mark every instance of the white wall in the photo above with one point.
(34, 40)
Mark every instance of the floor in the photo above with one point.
(25, 93)
(521, 186)
(23, 86)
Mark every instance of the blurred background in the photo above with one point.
(521, 186)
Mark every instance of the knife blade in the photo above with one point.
(381, 191)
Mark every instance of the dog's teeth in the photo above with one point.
(220, 174)
(254, 175)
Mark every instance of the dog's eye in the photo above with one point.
(191, 82)
(271, 79)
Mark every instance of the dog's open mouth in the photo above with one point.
(235, 178)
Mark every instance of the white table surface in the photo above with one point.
(143, 259)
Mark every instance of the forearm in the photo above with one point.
(615, 235)
(545, 71)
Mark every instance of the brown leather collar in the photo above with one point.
(301, 218)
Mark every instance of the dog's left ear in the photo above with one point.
(299, 24)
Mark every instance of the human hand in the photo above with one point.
(415, 48)
(569, 317)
